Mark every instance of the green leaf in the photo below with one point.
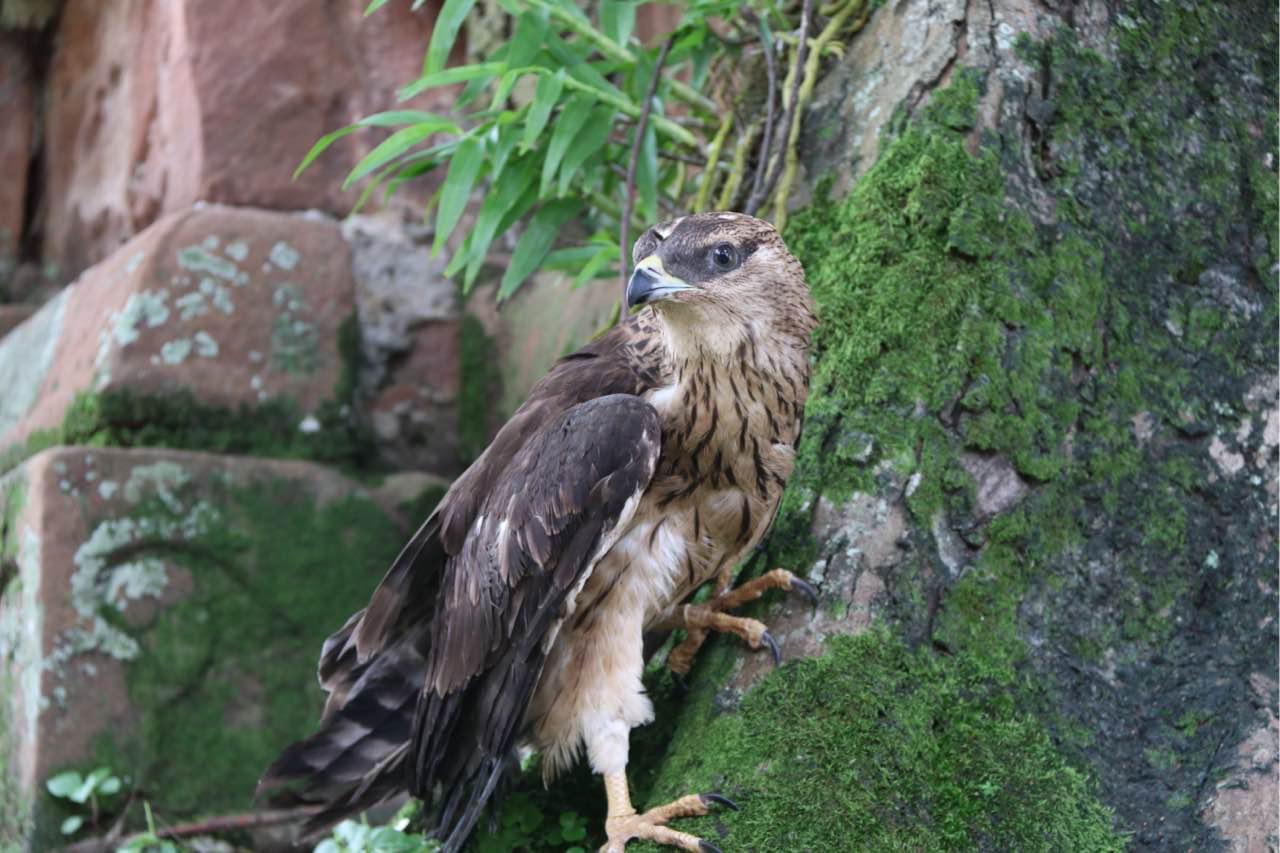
(647, 176)
(618, 19)
(71, 824)
(527, 39)
(515, 191)
(572, 118)
(392, 118)
(464, 168)
(585, 144)
(63, 784)
(505, 84)
(569, 259)
(544, 101)
(374, 6)
(500, 152)
(391, 148)
(444, 32)
(110, 785)
(461, 74)
(535, 242)
(595, 267)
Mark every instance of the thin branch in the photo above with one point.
(208, 826)
(762, 161)
(789, 114)
(629, 202)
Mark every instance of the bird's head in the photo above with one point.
(714, 279)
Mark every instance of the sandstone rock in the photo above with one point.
(544, 320)
(235, 306)
(152, 107)
(13, 315)
(17, 105)
(410, 334)
(169, 605)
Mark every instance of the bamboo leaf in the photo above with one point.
(595, 267)
(618, 19)
(464, 168)
(526, 41)
(392, 118)
(374, 6)
(572, 118)
(545, 98)
(460, 74)
(534, 243)
(444, 32)
(390, 148)
(507, 191)
(585, 144)
(647, 176)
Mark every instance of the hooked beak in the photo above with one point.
(651, 283)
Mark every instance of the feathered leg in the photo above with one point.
(698, 619)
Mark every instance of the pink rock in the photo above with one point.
(234, 305)
(17, 102)
(155, 105)
(131, 533)
(13, 315)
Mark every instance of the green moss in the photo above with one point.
(225, 677)
(180, 420)
(478, 388)
(884, 748)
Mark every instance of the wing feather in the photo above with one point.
(374, 667)
(580, 478)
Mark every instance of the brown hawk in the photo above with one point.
(642, 466)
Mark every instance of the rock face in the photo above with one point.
(235, 306)
(1040, 450)
(17, 105)
(148, 109)
(410, 344)
(162, 613)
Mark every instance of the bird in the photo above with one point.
(640, 468)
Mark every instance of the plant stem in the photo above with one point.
(629, 197)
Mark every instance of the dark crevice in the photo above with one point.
(37, 47)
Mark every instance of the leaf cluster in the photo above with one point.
(85, 791)
(547, 122)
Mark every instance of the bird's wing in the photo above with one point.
(560, 504)
(373, 668)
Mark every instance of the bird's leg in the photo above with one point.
(698, 619)
(623, 824)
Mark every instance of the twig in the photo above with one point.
(766, 141)
(791, 159)
(708, 176)
(208, 826)
(629, 202)
(790, 113)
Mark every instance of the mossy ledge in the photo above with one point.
(181, 421)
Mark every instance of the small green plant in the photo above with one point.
(526, 828)
(86, 793)
(357, 836)
(149, 841)
(572, 119)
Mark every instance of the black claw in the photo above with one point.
(773, 647)
(708, 847)
(807, 590)
(681, 684)
(720, 799)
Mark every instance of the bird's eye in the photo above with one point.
(724, 257)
